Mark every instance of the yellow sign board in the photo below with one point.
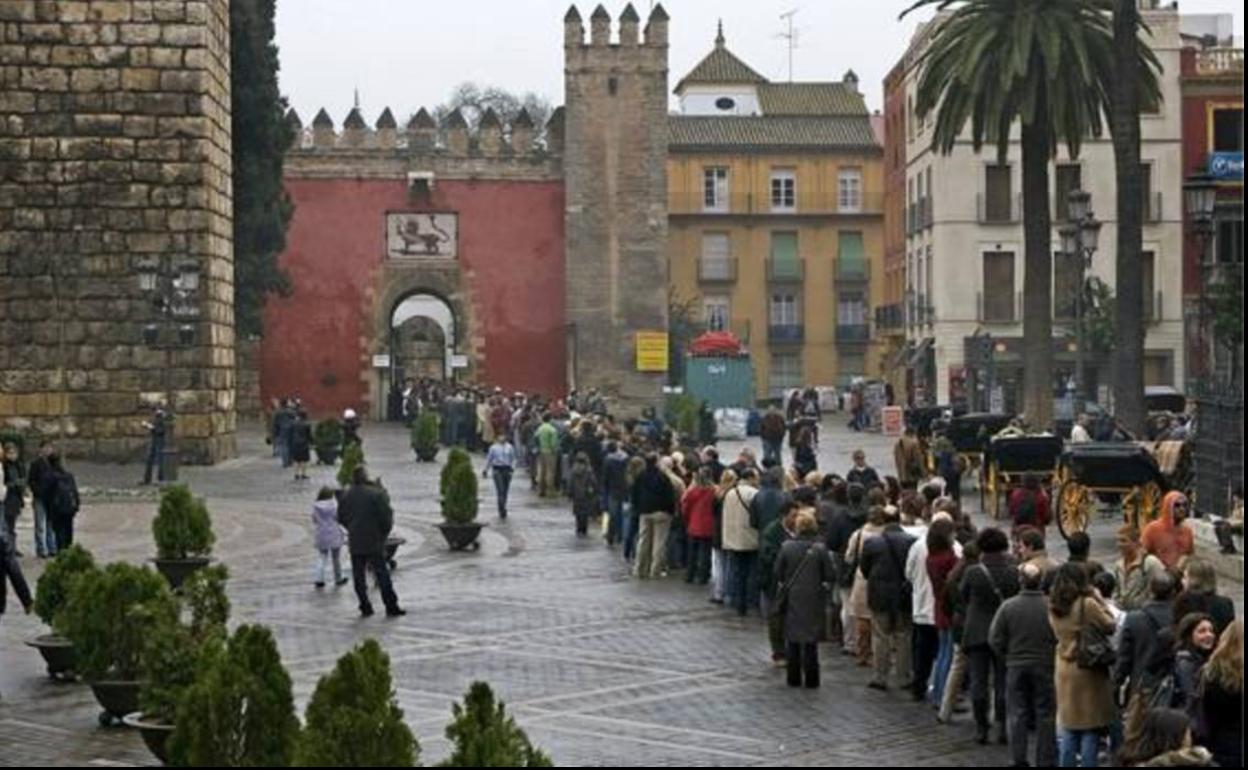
(651, 351)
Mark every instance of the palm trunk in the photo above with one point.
(1037, 286)
(1125, 124)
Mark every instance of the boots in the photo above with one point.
(980, 709)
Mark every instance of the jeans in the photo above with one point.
(699, 560)
(652, 544)
(12, 510)
(502, 486)
(326, 557)
(1031, 697)
(632, 526)
(1078, 748)
(802, 659)
(615, 519)
(940, 671)
(154, 451)
(45, 537)
(377, 562)
(772, 451)
(744, 582)
(719, 564)
(926, 648)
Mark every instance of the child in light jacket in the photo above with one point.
(329, 536)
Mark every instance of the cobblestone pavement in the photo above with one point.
(597, 668)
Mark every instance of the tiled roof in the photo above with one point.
(810, 99)
(721, 66)
(689, 133)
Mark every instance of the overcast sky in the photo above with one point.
(410, 53)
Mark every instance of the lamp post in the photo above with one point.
(1079, 241)
(1200, 197)
(172, 290)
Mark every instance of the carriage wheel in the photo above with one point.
(1146, 504)
(1074, 508)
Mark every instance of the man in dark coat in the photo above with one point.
(983, 589)
(890, 599)
(366, 514)
(37, 479)
(771, 431)
(1141, 645)
(768, 504)
(1023, 637)
(157, 431)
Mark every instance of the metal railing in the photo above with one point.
(890, 317)
(852, 270)
(691, 203)
(1007, 212)
(853, 333)
(785, 270)
(786, 334)
(717, 270)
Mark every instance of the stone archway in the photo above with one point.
(422, 331)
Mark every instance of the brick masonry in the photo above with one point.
(114, 155)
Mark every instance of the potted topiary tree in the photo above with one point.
(183, 533)
(352, 458)
(327, 438)
(107, 617)
(459, 502)
(240, 711)
(174, 651)
(353, 719)
(425, 437)
(51, 593)
(484, 736)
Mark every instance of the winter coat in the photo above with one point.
(1137, 642)
(366, 513)
(773, 427)
(765, 506)
(1196, 756)
(301, 441)
(908, 455)
(329, 535)
(698, 509)
(1219, 723)
(939, 567)
(585, 498)
(983, 589)
(1085, 697)
(11, 572)
(804, 460)
(770, 542)
(884, 564)
(1132, 589)
(1021, 634)
(1166, 540)
(14, 487)
(738, 534)
(858, 605)
(653, 493)
(1187, 664)
(866, 476)
(615, 474)
(925, 595)
(39, 478)
(806, 604)
(846, 520)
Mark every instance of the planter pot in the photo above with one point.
(392, 548)
(462, 536)
(117, 699)
(57, 652)
(424, 455)
(176, 571)
(327, 455)
(155, 734)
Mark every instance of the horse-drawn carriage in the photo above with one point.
(1011, 460)
(970, 436)
(1108, 475)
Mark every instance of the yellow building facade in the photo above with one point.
(776, 221)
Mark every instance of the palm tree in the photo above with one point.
(1044, 64)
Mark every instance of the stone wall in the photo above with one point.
(616, 180)
(115, 158)
(247, 379)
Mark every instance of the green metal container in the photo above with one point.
(724, 383)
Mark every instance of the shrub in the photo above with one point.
(52, 591)
(203, 593)
(425, 434)
(484, 736)
(327, 434)
(459, 488)
(182, 528)
(354, 720)
(683, 413)
(108, 615)
(239, 712)
(352, 457)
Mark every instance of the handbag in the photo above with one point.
(1093, 649)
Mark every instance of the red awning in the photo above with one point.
(716, 344)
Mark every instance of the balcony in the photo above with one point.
(786, 334)
(926, 219)
(717, 270)
(996, 314)
(1220, 62)
(786, 270)
(852, 271)
(853, 334)
(997, 211)
(816, 203)
(890, 317)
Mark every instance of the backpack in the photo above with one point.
(64, 502)
(1027, 510)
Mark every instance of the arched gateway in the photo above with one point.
(423, 331)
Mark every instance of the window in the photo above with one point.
(786, 373)
(997, 193)
(1157, 370)
(1148, 208)
(1065, 284)
(716, 257)
(715, 189)
(1228, 129)
(853, 365)
(927, 206)
(851, 256)
(998, 293)
(1229, 247)
(783, 189)
(849, 190)
(717, 313)
(1069, 177)
(784, 261)
(784, 310)
(851, 309)
(725, 103)
(1148, 266)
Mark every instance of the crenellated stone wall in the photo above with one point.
(115, 159)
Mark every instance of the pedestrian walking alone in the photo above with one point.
(366, 513)
(500, 462)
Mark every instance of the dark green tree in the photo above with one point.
(262, 209)
(484, 736)
(354, 720)
(458, 486)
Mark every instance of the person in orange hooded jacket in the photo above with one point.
(1166, 537)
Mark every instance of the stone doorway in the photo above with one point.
(422, 339)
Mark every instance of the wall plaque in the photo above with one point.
(422, 235)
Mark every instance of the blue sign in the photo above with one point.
(1226, 165)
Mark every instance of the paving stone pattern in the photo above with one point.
(600, 669)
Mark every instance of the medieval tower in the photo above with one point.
(615, 97)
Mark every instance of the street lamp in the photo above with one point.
(172, 290)
(1200, 198)
(1080, 237)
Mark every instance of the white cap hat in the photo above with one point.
(348, 414)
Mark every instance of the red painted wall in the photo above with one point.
(511, 250)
